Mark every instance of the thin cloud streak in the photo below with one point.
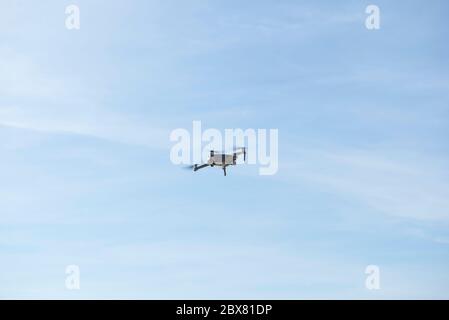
(397, 187)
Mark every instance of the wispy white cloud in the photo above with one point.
(413, 187)
(35, 100)
(395, 79)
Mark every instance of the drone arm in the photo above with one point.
(241, 151)
(198, 167)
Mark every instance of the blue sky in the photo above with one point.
(85, 175)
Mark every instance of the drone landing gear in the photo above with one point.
(224, 171)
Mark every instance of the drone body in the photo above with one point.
(221, 160)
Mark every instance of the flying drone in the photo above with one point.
(221, 160)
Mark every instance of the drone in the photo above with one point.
(221, 160)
